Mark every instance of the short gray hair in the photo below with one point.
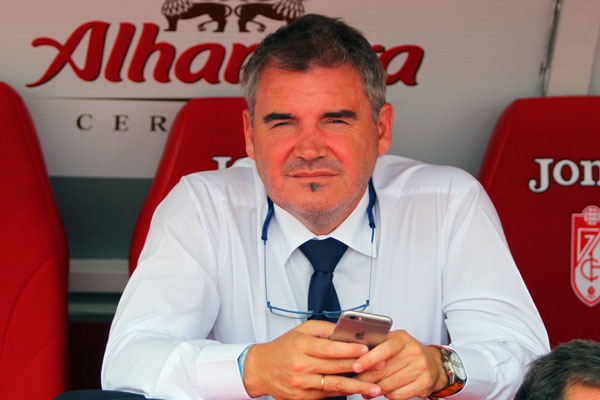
(574, 363)
(316, 40)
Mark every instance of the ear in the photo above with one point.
(385, 125)
(248, 133)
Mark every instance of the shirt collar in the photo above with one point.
(354, 231)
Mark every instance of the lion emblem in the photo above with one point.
(174, 10)
(282, 10)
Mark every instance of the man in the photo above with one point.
(218, 304)
(570, 372)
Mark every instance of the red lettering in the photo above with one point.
(112, 72)
(210, 71)
(408, 72)
(238, 55)
(93, 61)
(146, 46)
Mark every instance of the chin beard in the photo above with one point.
(317, 215)
(314, 186)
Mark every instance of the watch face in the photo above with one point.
(458, 367)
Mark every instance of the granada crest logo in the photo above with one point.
(585, 255)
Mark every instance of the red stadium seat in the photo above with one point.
(542, 170)
(34, 267)
(203, 129)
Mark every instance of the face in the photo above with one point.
(581, 392)
(315, 142)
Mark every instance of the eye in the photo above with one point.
(337, 121)
(281, 123)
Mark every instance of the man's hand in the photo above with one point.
(299, 362)
(403, 367)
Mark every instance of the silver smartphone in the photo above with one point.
(361, 327)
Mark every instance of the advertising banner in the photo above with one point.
(104, 80)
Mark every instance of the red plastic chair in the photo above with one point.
(34, 266)
(556, 248)
(203, 129)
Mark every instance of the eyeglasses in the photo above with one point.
(283, 312)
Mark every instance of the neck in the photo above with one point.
(323, 222)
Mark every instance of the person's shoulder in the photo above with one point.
(240, 171)
(234, 184)
(402, 174)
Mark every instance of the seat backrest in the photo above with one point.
(34, 267)
(205, 131)
(542, 170)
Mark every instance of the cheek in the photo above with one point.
(356, 155)
(277, 150)
(269, 159)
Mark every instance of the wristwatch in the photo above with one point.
(457, 376)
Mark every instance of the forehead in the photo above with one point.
(581, 392)
(317, 85)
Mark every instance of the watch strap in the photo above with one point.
(454, 383)
(447, 391)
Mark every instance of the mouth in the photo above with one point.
(313, 176)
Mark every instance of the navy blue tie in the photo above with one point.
(324, 256)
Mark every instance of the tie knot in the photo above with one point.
(323, 254)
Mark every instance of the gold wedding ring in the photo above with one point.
(322, 382)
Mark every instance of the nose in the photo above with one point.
(310, 143)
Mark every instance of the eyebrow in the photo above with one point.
(340, 114)
(277, 117)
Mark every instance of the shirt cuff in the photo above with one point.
(218, 372)
(242, 359)
(479, 377)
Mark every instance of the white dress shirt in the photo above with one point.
(441, 270)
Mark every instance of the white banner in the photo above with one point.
(104, 80)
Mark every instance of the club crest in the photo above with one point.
(585, 255)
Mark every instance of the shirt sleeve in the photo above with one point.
(493, 323)
(158, 342)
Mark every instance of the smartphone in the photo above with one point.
(361, 327)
